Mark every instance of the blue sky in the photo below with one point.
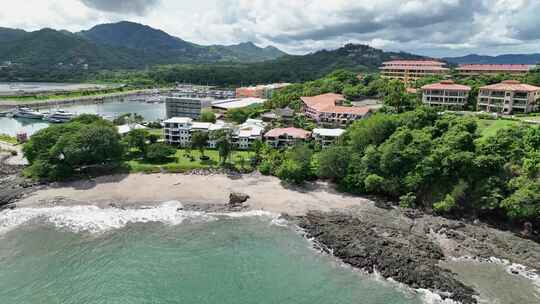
(428, 27)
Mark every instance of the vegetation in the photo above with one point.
(208, 116)
(159, 153)
(240, 115)
(8, 139)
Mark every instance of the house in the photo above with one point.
(508, 97)
(286, 114)
(411, 70)
(124, 129)
(286, 137)
(494, 69)
(186, 107)
(247, 133)
(327, 109)
(327, 137)
(446, 94)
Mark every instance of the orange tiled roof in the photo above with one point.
(448, 85)
(494, 67)
(415, 62)
(327, 103)
(511, 85)
(294, 132)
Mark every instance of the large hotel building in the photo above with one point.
(446, 94)
(508, 97)
(494, 69)
(411, 70)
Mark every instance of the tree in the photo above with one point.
(238, 116)
(136, 139)
(208, 116)
(199, 140)
(334, 163)
(296, 165)
(224, 147)
(159, 152)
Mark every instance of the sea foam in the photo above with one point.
(93, 219)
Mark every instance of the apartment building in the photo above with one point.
(508, 97)
(327, 137)
(186, 107)
(327, 109)
(446, 94)
(247, 133)
(260, 91)
(286, 137)
(411, 70)
(178, 131)
(494, 69)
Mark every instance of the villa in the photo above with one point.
(508, 97)
(247, 133)
(327, 109)
(327, 137)
(286, 137)
(446, 94)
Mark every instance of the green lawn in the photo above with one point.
(8, 139)
(534, 118)
(489, 127)
(181, 163)
(158, 132)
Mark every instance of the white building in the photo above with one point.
(186, 107)
(508, 97)
(178, 130)
(124, 129)
(327, 137)
(446, 94)
(248, 132)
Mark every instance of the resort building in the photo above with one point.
(494, 69)
(236, 103)
(411, 70)
(286, 137)
(260, 91)
(446, 94)
(247, 133)
(508, 97)
(186, 107)
(178, 130)
(125, 129)
(327, 137)
(327, 109)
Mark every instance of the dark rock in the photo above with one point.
(237, 198)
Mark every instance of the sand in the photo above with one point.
(266, 193)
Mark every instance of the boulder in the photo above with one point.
(237, 198)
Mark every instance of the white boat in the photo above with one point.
(4, 114)
(27, 113)
(60, 116)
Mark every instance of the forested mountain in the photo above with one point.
(501, 59)
(118, 45)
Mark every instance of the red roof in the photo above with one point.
(327, 103)
(511, 85)
(415, 62)
(494, 67)
(447, 85)
(294, 132)
(414, 68)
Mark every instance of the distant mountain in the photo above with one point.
(501, 59)
(118, 45)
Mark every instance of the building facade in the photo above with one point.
(286, 137)
(494, 69)
(411, 70)
(186, 107)
(327, 109)
(327, 137)
(508, 97)
(247, 133)
(446, 94)
(178, 131)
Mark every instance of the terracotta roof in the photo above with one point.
(327, 103)
(511, 85)
(414, 62)
(294, 132)
(411, 90)
(448, 85)
(494, 67)
(414, 68)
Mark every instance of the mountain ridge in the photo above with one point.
(532, 59)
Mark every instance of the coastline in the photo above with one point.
(404, 245)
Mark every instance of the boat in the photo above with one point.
(60, 116)
(27, 113)
(4, 114)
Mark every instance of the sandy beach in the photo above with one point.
(266, 193)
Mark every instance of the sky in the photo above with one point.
(435, 28)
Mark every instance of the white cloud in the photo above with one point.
(432, 27)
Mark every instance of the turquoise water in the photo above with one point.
(149, 111)
(129, 258)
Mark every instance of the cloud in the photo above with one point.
(138, 7)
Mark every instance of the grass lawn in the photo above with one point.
(180, 163)
(533, 118)
(488, 127)
(158, 132)
(8, 139)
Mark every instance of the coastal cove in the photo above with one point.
(268, 197)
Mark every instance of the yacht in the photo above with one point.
(27, 113)
(60, 116)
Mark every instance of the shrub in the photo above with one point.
(408, 200)
(265, 168)
(374, 183)
(445, 206)
(159, 152)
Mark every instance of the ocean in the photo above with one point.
(84, 254)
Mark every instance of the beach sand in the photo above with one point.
(266, 193)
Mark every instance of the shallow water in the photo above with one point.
(149, 111)
(91, 255)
